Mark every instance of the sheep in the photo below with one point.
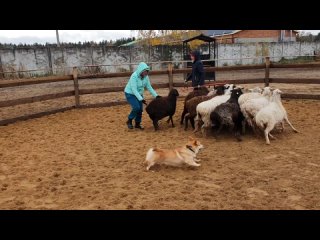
(204, 110)
(272, 114)
(191, 104)
(250, 107)
(255, 92)
(202, 91)
(229, 114)
(161, 107)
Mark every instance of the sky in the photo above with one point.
(44, 36)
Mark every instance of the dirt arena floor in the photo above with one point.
(88, 159)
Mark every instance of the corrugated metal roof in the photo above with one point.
(129, 43)
(218, 32)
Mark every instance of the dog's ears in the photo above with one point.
(191, 138)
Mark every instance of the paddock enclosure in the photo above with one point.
(86, 158)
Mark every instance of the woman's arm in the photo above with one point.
(150, 88)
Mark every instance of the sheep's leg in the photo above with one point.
(272, 137)
(170, 118)
(282, 126)
(196, 125)
(267, 131)
(204, 130)
(155, 124)
(192, 122)
(186, 118)
(219, 130)
(266, 136)
(254, 128)
(183, 115)
(287, 120)
(243, 123)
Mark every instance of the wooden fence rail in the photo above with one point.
(170, 72)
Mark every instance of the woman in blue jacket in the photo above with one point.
(134, 89)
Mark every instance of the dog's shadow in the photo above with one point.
(158, 168)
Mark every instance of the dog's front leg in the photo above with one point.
(196, 160)
(191, 162)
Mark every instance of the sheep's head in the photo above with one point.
(229, 88)
(236, 93)
(174, 92)
(277, 92)
(256, 89)
(267, 91)
(219, 90)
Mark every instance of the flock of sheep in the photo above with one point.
(225, 105)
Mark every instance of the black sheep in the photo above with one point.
(162, 107)
(229, 114)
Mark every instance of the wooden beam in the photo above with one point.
(220, 82)
(31, 116)
(293, 80)
(22, 82)
(107, 104)
(300, 96)
(116, 89)
(10, 103)
(295, 65)
(227, 68)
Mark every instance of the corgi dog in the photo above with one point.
(175, 157)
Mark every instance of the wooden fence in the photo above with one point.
(77, 92)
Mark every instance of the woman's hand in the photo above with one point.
(144, 102)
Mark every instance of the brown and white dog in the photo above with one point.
(175, 157)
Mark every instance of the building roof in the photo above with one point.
(225, 32)
(200, 37)
(129, 43)
(218, 32)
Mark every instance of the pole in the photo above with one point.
(267, 72)
(57, 35)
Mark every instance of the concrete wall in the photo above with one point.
(61, 60)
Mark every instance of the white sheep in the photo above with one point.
(205, 108)
(254, 93)
(250, 107)
(272, 114)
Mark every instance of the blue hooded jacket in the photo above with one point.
(136, 84)
(197, 74)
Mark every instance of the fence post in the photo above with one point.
(1, 70)
(267, 72)
(76, 86)
(170, 75)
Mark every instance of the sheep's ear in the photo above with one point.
(250, 89)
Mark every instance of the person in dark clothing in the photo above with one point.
(197, 74)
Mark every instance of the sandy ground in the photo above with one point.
(88, 159)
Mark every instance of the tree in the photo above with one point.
(317, 38)
(168, 37)
(306, 37)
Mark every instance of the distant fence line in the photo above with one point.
(77, 92)
(150, 63)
